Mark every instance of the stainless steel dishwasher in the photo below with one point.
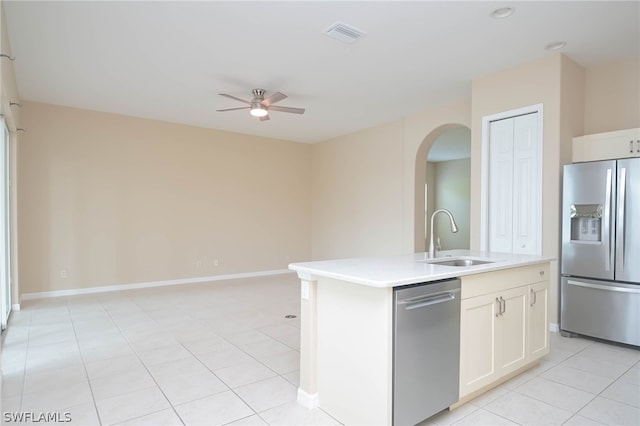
(426, 350)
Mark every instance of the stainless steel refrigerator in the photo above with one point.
(600, 283)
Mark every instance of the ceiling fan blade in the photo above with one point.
(233, 97)
(232, 109)
(276, 97)
(287, 109)
(265, 118)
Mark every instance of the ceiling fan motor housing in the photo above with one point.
(258, 95)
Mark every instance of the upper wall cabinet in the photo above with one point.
(607, 146)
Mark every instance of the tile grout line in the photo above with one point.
(255, 359)
(74, 322)
(26, 357)
(84, 364)
(599, 394)
(143, 364)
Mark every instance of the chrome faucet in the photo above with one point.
(454, 229)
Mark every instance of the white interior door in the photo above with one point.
(501, 186)
(514, 184)
(526, 183)
(5, 244)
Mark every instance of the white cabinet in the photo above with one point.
(504, 324)
(493, 337)
(607, 146)
(514, 185)
(538, 319)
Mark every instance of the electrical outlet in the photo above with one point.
(63, 273)
(216, 262)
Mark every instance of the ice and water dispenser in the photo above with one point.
(586, 223)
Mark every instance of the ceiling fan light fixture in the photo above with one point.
(258, 110)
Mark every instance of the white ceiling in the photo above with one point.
(168, 60)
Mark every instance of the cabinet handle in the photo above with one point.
(531, 296)
(534, 297)
(542, 273)
(503, 305)
(631, 147)
(638, 144)
(499, 312)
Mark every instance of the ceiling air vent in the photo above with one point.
(343, 32)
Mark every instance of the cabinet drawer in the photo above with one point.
(490, 282)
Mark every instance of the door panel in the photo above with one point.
(5, 245)
(602, 309)
(627, 222)
(511, 330)
(501, 186)
(514, 185)
(587, 247)
(477, 342)
(538, 314)
(526, 200)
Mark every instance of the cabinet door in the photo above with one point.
(538, 320)
(607, 146)
(477, 342)
(511, 331)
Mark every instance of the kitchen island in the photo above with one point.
(347, 325)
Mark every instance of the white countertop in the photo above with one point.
(393, 271)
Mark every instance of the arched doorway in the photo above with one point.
(443, 181)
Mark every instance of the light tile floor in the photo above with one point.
(223, 353)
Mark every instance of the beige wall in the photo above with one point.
(612, 96)
(453, 193)
(556, 82)
(118, 200)
(368, 187)
(574, 102)
(357, 194)
(421, 130)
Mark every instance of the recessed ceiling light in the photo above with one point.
(503, 12)
(558, 45)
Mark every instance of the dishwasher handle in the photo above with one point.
(428, 300)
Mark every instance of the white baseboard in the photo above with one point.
(15, 307)
(554, 327)
(307, 400)
(105, 289)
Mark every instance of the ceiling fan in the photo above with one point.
(260, 106)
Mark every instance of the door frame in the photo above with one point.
(484, 169)
(5, 223)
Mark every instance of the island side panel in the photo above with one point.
(308, 388)
(354, 329)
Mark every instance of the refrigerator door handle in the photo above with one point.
(620, 232)
(604, 287)
(607, 221)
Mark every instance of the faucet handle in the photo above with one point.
(438, 246)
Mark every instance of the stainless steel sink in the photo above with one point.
(460, 262)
